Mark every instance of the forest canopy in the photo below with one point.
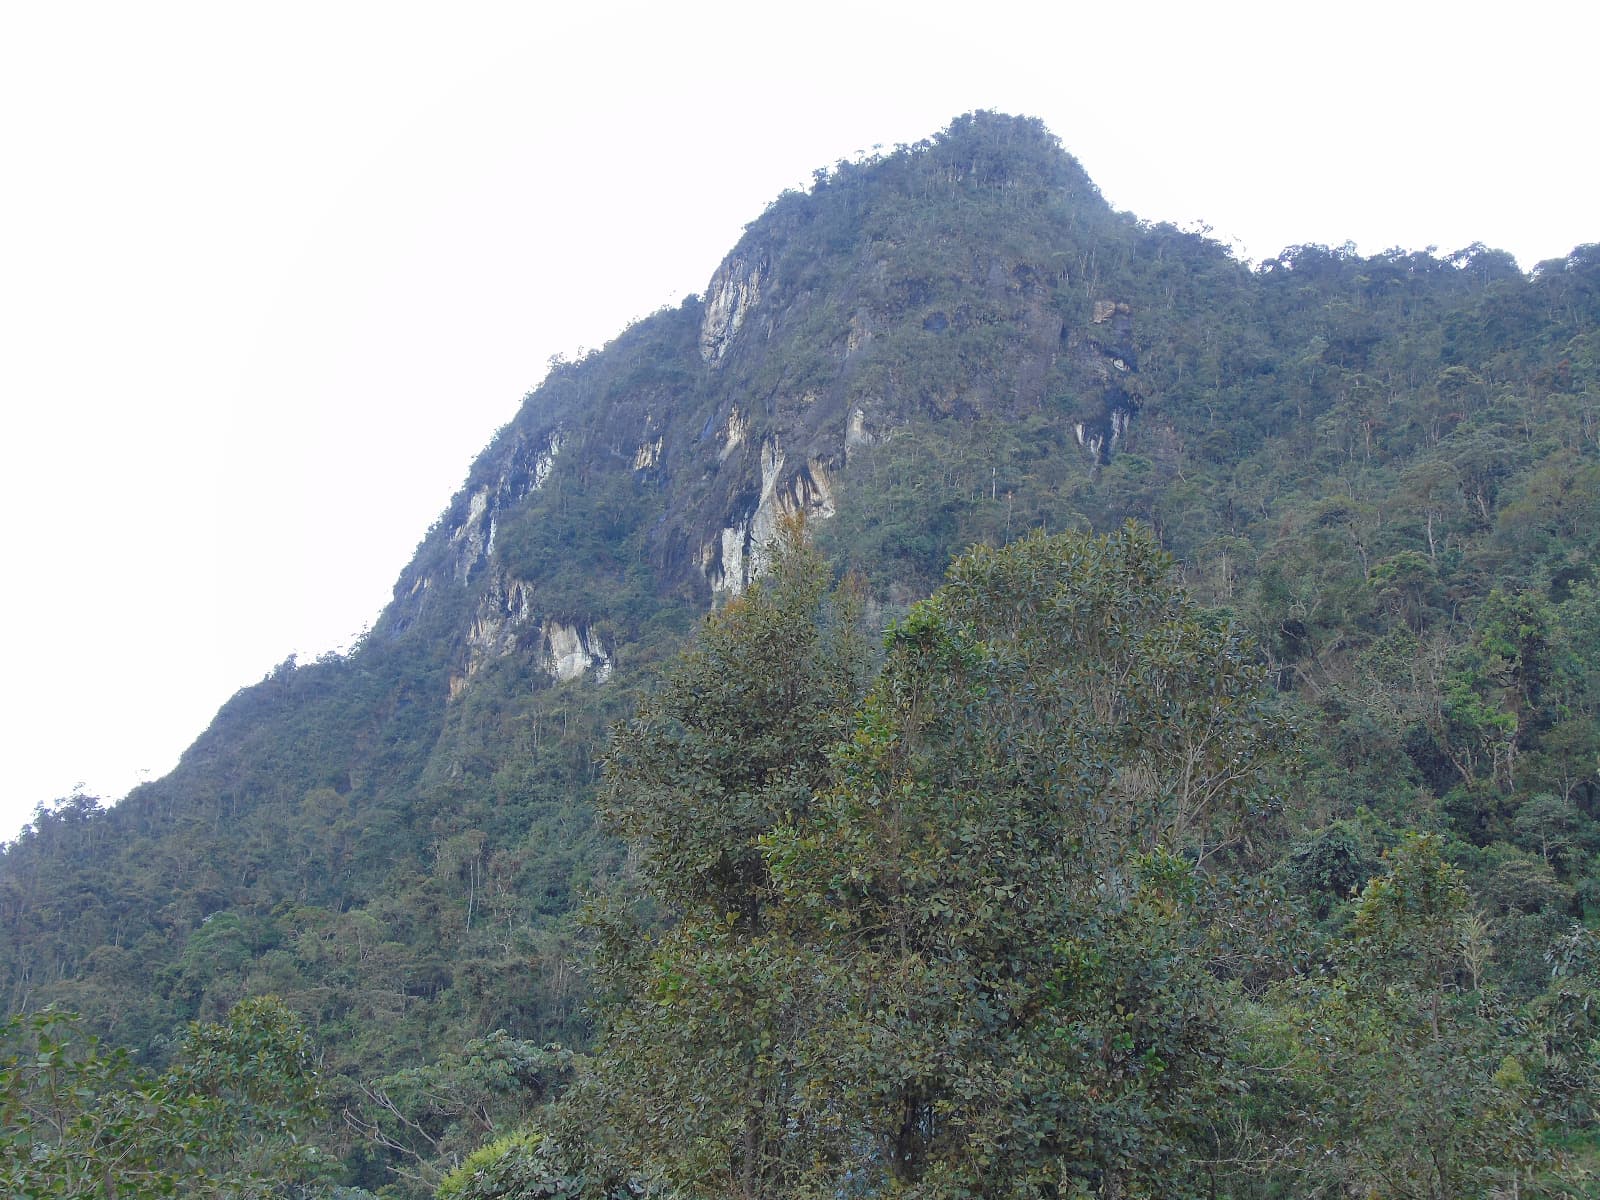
(1011, 921)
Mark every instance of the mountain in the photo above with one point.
(1387, 467)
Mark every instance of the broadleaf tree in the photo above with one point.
(688, 1076)
(1003, 907)
(227, 1119)
(961, 943)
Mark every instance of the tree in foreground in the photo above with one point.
(691, 1076)
(225, 1120)
(959, 938)
(1402, 1071)
(1002, 910)
(995, 929)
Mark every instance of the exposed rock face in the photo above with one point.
(647, 456)
(571, 651)
(472, 538)
(1105, 358)
(1099, 439)
(732, 434)
(860, 333)
(544, 460)
(505, 608)
(687, 442)
(740, 553)
(734, 290)
(856, 433)
(466, 534)
(501, 623)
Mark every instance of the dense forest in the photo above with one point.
(1145, 741)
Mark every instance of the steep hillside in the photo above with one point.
(1388, 467)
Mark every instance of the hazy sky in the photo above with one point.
(270, 275)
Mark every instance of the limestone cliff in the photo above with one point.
(826, 343)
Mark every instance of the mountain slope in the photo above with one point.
(954, 343)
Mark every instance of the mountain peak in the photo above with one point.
(954, 342)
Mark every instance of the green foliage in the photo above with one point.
(684, 1084)
(224, 1121)
(430, 1119)
(997, 909)
(531, 1165)
(1333, 864)
(1564, 1026)
(1384, 467)
(1410, 1077)
(508, 1166)
(987, 931)
(735, 741)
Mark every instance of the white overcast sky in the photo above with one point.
(271, 274)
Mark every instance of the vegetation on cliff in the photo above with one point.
(1380, 474)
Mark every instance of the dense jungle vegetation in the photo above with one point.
(1271, 868)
